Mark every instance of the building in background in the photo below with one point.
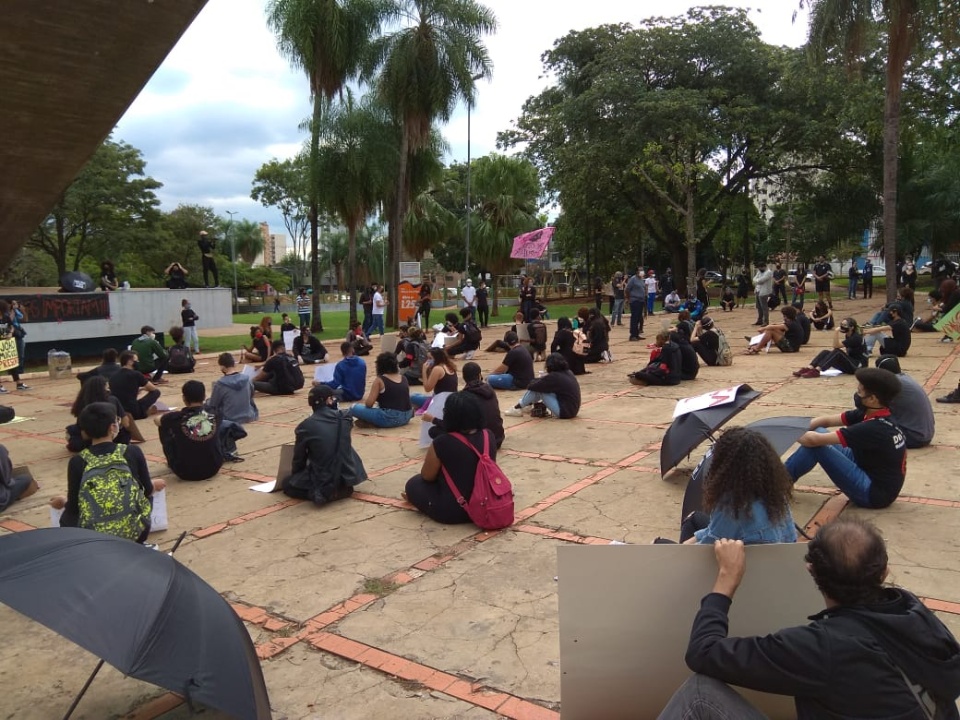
(274, 247)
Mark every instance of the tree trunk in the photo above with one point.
(891, 157)
(395, 235)
(690, 233)
(315, 205)
(352, 270)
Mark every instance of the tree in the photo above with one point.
(111, 204)
(847, 25)
(426, 67)
(283, 184)
(327, 39)
(246, 237)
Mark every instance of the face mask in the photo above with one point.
(858, 402)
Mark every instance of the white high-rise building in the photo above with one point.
(274, 247)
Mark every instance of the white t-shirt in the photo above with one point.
(469, 294)
(378, 306)
(651, 285)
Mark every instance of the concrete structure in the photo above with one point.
(68, 72)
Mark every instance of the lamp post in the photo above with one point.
(233, 254)
(466, 265)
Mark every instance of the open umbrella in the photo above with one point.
(782, 432)
(138, 609)
(692, 428)
(76, 281)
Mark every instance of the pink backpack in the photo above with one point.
(491, 503)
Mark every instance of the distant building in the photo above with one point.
(274, 247)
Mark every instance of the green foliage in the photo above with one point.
(283, 184)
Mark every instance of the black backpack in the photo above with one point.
(7, 414)
(472, 334)
(179, 358)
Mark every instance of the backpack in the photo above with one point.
(472, 334)
(111, 500)
(179, 358)
(724, 352)
(491, 504)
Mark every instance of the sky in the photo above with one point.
(224, 101)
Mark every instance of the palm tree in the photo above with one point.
(357, 160)
(846, 24)
(426, 66)
(327, 39)
(248, 239)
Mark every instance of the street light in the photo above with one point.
(469, 107)
(233, 254)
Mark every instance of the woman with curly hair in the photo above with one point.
(266, 327)
(746, 494)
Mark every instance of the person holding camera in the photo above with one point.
(176, 276)
(207, 245)
(849, 352)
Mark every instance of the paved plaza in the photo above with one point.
(366, 609)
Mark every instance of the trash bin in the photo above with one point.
(58, 363)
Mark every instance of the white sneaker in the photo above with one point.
(513, 412)
(469, 355)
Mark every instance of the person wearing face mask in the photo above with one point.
(189, 319)
(151, 357)
(325, 465)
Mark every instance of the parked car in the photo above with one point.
(926, 268)
(714, 276)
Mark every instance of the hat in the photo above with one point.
(889, 362)
(469, 281)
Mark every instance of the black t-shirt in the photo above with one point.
(899, 344)
(780, 276)
(188, 316)
(125, 386)
(856, 349)
(880, 449)
(285, 372)
(190, 443)
(76, 466)
(564, 385)
(482, 297)
(822, 269)
(520, 365)
(260, 346)
(806, 325)
(794, 333)
(709, 342)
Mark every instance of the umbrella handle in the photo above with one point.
(177, 543)
(83, 690)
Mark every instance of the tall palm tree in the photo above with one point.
(846, 24)
(327, 39)
(357, 161)
(248, 239)
(426, 66)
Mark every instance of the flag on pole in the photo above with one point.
(532, 245)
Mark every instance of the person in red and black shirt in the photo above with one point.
(870, 463)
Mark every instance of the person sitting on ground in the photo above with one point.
(281, 374)
(695, 307)
(440, 377)
(232, 397)
(582, 321)
(875, 652)
(266, 327)
(259, 350)
(286, 325)
(325, 467)
(558, 390)
(684, 323)
(746, 494)
(672, 302)
(190, 436)
(13, 487)
(390, 393)
(151, 357)
(598, 338)
(849, 352)
(428, 490)
(516, 370)
(502, 345)
(728, 299)
(664, 365)
(689, 361)
(896, 335)
(537, 331)
(308, 348)
(871, 463)
(565, 342)
(100, 423)
(805, 324)
(706, 341)
(127, 383)
(474, 384)
(415, 353)
(349, 375)
(180, 359)
(356, 337)
(822, 316)
(468, 335)
(910, 409)
(787, 336)
(107, 368)
(947, 297)
(95, 390)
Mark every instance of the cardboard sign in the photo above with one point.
(437, 403)
(710, 399)
(284, 469)
(288, 337)
(388, 343)
(9, 358)
(324, 372)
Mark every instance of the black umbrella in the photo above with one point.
(76, 281)
(782, 432)
(692, 428)
(138, 609)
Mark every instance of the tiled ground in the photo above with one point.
(364, 609)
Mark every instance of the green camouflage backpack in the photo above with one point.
(111, 500)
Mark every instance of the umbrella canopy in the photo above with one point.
(782, 432)
(692, 428)
(76, 281)
(138, 609)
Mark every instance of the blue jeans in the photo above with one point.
(548, 399)
(705, 698)
(380, 417)
(501, 382)
(852, 290)
(651, 298)
(636, 318)
(616, 317)
(377, 324)
(838, 463)
(304, 319)
(419, 399)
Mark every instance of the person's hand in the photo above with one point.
(58, 502)
(159, 484)
(731, 565)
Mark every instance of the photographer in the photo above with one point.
(207, 245)
(177, 276)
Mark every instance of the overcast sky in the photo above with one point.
(224, 102)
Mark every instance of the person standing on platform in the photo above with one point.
(189, 321)
(207, 245)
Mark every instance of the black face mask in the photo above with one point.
(858, 402)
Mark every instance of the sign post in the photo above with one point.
(408, 292)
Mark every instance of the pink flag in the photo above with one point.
(532, 245)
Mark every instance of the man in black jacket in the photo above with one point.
(874, 652)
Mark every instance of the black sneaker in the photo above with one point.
(953, 397)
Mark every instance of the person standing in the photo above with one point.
(366, 303)
(821, 279)
(780, 283)
(866, 278)
(12, 323)
(908, 276)
(853, 274)
(483, 305)
(303, 307)
(653, 287)
(207, 245)
(426, 304)
(619, 286)
(189, 321)
(469, 295)
(379, 307)
(763, 289)
(636, 294)
(528, 297)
